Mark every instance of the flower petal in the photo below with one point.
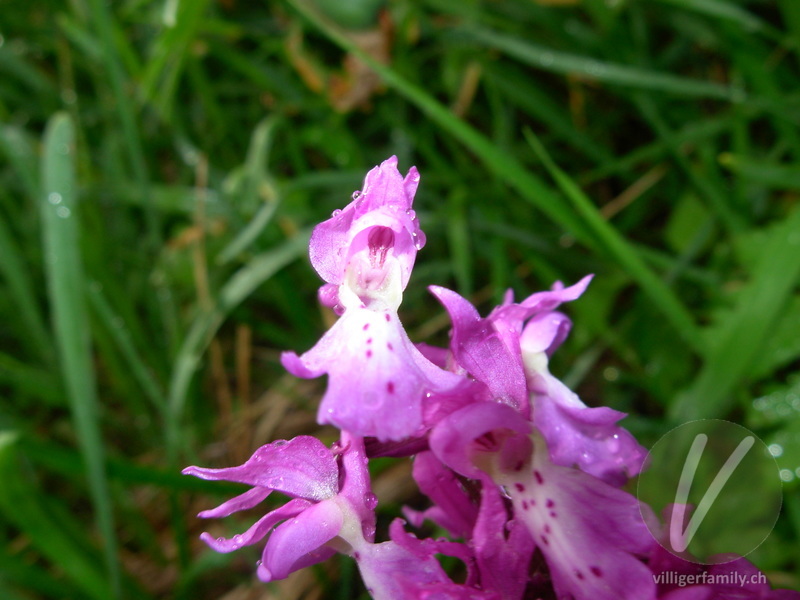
(590, 533)
(377, 378)
(503, 547)
(540, 302)
(483, 351)
(301, 467)
(259, 529)
(297, 543)
(249, 499)
(405, 569)
(453, 509)
(579, 435)
(451, 440)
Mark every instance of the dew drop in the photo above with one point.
(63, 212)
(370, 500)
(337, 212)
(356, 195)
(54, 198)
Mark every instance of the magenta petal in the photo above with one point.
(259, 529)
(591, 533)
(438, 356)
(545, 332)
(453, 510)
(587, 437)
(377, 379)
(356, 488)
(301, 467)
(297, 543)
(484, 349)
(452, 438)
(405, 569)
(249, 499)
(550, 300)
(503, 548)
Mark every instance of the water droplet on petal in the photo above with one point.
(356, 195)
(337, 212)
(370, 500)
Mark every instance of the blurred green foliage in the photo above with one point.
(161, 163)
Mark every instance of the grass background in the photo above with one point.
(161, 163)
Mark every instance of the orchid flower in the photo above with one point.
(377, 379)
(509, 352)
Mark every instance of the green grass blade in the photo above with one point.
(616, 246)
(21, 503)
(19, 149)
(526, 93)
(66, 285)
(18, 278)
(141, 372)
(178, 29)
(458, 240)
(769, 174)
(253, 274)
(105, 26)
(719, 9)
(258, 188)
(742, 336)
(693, 133)
(717, 198)
(612, 73)
(33, 381)
(32, 578)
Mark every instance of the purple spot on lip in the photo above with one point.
(390, 387)
(369, 340)
(545, 541)
(366, 326)
(539, 478)
(520, 487)
(369, 353)
(553, 514)
(578, 574)
(388, 318)
(524, 505)
(549, 503)
(389, 345)
(596, 571)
